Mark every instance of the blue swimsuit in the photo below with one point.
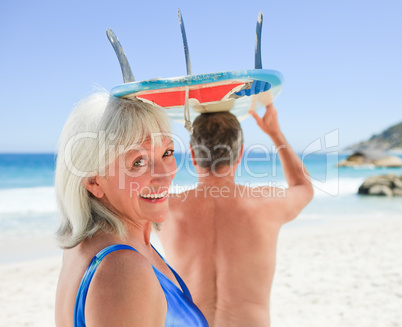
(181, 310)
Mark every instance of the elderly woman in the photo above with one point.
(114, 168)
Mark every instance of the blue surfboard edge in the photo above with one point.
(273, 77)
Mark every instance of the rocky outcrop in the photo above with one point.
(372, 158)
(390, 139)
(386, 185)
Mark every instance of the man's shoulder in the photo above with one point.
(262, 201)
(180, 199)
(259, 192)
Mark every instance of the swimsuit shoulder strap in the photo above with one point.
(79, 308)
(178, 278)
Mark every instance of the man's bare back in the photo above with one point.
(221, 238)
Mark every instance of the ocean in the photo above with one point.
(28, 208)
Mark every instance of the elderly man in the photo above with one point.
(221, 237)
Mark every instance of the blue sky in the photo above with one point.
(341, 60)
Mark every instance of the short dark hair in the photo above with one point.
(216, 140)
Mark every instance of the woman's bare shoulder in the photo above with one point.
(125, 292)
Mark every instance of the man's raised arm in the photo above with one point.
(300, 191)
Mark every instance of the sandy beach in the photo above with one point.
(342, 273)
(331, 273)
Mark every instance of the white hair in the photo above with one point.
(94, 135)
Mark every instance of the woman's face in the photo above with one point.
(138, 182)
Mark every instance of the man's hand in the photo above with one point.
(269, 122)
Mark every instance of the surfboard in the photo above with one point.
(185, 97)
(234, 91)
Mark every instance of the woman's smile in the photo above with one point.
(155, 197)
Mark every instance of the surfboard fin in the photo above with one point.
(187, 120)
(128, 76)
(258, 61)
(185, 45)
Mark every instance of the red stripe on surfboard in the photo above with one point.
(177, 97)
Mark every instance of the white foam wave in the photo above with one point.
(331, 187)
(34, 200)
(337, 187)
